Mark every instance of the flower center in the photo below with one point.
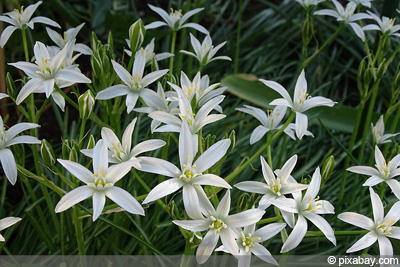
(19, 11)
(385, 228)
(189, 117)
(384, 169)
(100, 182)
(189, 170)
(311, 205)
(217, 224)
(248, 241)
(135, 81)
(119, 152)
(275, 186)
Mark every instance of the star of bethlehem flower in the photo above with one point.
(379, 229)
(196, 121)
(149, 52)
(7, 222)
(8, 138)
(249, 242)
(302, 101)
(135, 85)
(219, 224)
(69, 35)
(21, 19)
(191, 172)
(307, 207)
(366, 3)
(99, 184)
(175, 20)
(275, 187)
(159, 101)
(384, 172)
(48, 71)
(270, 121)
(347, 16)
(198, 91)
(119, 152)
(307, 3)
(378, 132)
(385, 25)
(205, 52)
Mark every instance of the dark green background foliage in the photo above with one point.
(269, 48)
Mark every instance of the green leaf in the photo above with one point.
(247, 87)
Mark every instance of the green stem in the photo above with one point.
(140, 180)
(319, 233)
(25, 43)
(130, 64)
(238, 170)
(269, 220)
(82, 132)
(79, 231)
(350, 150)
(269, 156)
(238, 30)
(171, 60)
(318, 50)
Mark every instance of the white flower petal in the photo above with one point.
(100, 158)
(263, 253)
(9, 165)
(244, 218)
(395, 186)
(155, 24)
(152, 77)
(287, 169)
(212, 155)
(77, 170)
(366, 170)
(280, 89)
(377, 206)
(394, 213)
(75, 196)
(27, 89)
(286, 204)
(301, 124)
(7, 222)
(117, 171)
(373, 180)
(188, 145)
(269, 231)
(6, 35)
(99, 200)
(385, 247)
(224, 205)
(163, 189)
(356, 219)
(228, 240)
(206, 247)
(365, 241)
(252, 187)
(124, 200)
(258, 133)
(296, 236)
(191, 202)
(315, 184)
(196, 26)
(46, 21)
(148, 145)
(159, 166)
(127, 136)
(193, 225)
(211, 179)
(322, 225)
(113, 91)
(23, 139)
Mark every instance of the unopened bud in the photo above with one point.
(136, 35)
(86, 104)
(47, 153)
(91, 143)
(327, 168)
